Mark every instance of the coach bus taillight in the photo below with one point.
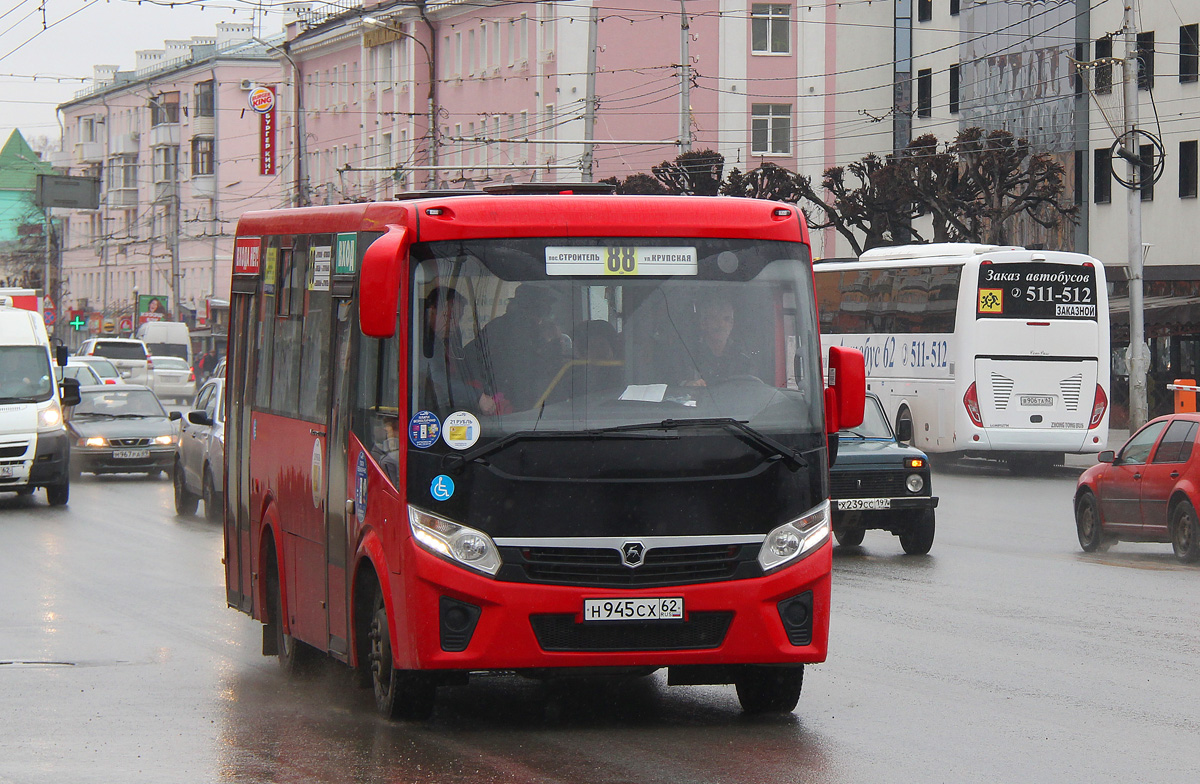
(1099, 406)
(971, 401)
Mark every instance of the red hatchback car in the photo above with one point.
(1147, 492)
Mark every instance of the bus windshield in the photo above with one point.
(544, 334)
(26, 375)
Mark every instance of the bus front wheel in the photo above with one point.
(399, 694)
(770, 689)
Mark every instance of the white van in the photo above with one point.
(34, 447)
(169, 338)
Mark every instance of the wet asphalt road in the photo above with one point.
(1005, 655)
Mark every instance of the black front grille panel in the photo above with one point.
(875, 484)
(603, 568)
(701, 631)
(126, 442)
(13, 451)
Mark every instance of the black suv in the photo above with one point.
(879, 483)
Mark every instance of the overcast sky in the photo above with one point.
(83, 33)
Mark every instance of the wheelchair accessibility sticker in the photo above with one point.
(441, 488)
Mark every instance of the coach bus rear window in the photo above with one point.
(577, 333)
(1036, 291)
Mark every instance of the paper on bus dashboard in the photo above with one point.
(649, 393)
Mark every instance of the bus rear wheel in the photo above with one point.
(296, 658)
(399, 694)
(770, 689)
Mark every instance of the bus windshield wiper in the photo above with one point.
(790, 456)
(18, 399)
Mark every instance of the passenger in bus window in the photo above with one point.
(448, 382)
(521, 351)
(714, 356)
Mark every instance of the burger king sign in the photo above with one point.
(262, 99)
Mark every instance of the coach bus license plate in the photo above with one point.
(1037, 400)
(633, 609)
(130, 454)
(850, 504)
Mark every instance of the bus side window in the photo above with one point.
(376, 417)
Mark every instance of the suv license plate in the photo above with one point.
(850, 504)
(666, 609)
(1037, 400)
(130, 454)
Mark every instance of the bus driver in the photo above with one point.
(447, 378)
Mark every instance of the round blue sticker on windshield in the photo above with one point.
(441, 488)
(424, 429)
(360, 487)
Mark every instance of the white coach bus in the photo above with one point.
(989, 351)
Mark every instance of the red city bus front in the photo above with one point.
(563, 432)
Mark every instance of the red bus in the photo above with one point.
(548, 433)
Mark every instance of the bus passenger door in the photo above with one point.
(243, 342)
(336, 531)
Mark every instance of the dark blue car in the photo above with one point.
(878, 483)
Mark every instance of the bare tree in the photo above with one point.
(693, 173)
(766, 182)
(638, 184)
(870, 197)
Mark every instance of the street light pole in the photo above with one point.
(371, 21)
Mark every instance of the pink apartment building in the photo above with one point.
(180, 155)
(516, 94)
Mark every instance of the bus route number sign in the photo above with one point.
(630, 260)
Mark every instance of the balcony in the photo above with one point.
(204, 186)
(123, 197)
(126, 143)
(164, 191)
(89, 152)
(203, 126)
(166, 134)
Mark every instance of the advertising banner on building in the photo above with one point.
(152, 307)
(262, 101)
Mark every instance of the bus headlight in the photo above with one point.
(454, 542)
(915, 483)
(792, 541)
(50, 418)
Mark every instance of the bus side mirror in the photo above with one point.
(846, 395)
(60, 355)
(68, 391)
(379, 283)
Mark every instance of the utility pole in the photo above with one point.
(685, 78)
(589, 112)
(1137, 333)
(176, 226)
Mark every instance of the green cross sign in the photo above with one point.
(78, 323)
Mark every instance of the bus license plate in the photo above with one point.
(662, 609)
(851, 504)
(7, 471)
(130, 454)
(1037, 400)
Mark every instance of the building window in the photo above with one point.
(122, 172)
(1146, 175)
(770, 28)
(1103, 74)
(954, 85)
(1102, 171)
(1187, 170)
(166, 163)
(1145, 58)
(1189, 52)
(202, 155)
(205, 99)
(771, 128)
(924, 10)
(164, 109)
(925, 92)
(954, 7)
